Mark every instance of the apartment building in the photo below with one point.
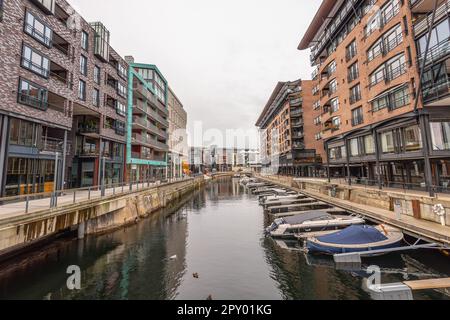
(148, 124)
(177, 136)
(289, 145)
(376, 128)
(61, 101)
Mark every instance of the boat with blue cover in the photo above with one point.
(356, 238)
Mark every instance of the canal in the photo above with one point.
(210, 244)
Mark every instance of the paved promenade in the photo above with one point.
(69, 197)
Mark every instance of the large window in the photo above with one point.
(413, 138)
(121, 109)
(440, 135)
(357, 116)
(96, 97)
(32, 95)
(337, 153)
(23, 133)
(334, 105)
(121, 90)
(390, 70)
(122, 71)
(439, 36)
(34, 61)
(83, 65)
(388, 142)
(392, 100)
(333, 86)
(82, 90)
(38, 30)
(351, 50)
(85, 40)
(355, 94)
(1, 10)
(354, 147)
(369, 144)
(97, 74)
(386, 43)
(353, 72)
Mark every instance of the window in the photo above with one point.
(122, 71)
(32, 95)
(23, 133)
(317, 120)
(121, 109)
(46, 5)
(439, 37)
(336, 121)
(413, 139)
(355, 94)
(351, 51)
(96, 97)
(387, 142)
(121, 90)
(318, 136)
(357, 116)
(331, 68)
(83, 65)
(440, 135)
(390, 70)
(337, 153)
(38, 30)
(316, 105)
(1, 10)
(34, 61)
(393, 99)
(119, 126)
(353, 72)
(333, 86)
(354, 147)
(386, 43)
(334, 105)
(82, 90)
(97, 74)
(369, 144)
(84, 40)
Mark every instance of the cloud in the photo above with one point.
(222, 58)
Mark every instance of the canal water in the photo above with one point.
(210, 244)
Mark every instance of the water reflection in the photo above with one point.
(216, 233)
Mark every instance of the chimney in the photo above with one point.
(129, 59)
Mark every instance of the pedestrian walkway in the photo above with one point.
(70, 197)
(427, 229)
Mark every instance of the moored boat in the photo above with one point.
(315, 221)
(355, 238)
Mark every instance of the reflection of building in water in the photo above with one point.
(297, 280)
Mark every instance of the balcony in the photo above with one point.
(437, 53)
(149, 142)
(296, 113)
(298, 135)
(296, 102)
(422, 25)
(340, 19)
(143, 124)
(298, 146)
(89, 128)
(437, 94)
(55, 145)
(423, 6)
(297, 124)
(145, 94)
(61, 44)
(395, 73)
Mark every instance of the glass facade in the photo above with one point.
(101, 41)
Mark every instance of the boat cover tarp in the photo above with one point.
(309, 216)
(355, 234)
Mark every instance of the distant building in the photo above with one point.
(177, 136)
(148, 124)
(290, 137)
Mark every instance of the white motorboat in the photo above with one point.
(315, 221)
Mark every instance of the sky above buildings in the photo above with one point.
(221, 58)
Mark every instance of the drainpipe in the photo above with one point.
(64, 156)
(349, 178)
(328, 162)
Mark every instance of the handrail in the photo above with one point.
(125, 188)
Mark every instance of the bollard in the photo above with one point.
(27, 204)
(89, 193)
(74, 196)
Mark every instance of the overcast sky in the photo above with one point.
(221, 58)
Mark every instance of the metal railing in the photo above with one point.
(61, 198)
(33, 101)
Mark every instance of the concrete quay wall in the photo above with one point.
(89, 217)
